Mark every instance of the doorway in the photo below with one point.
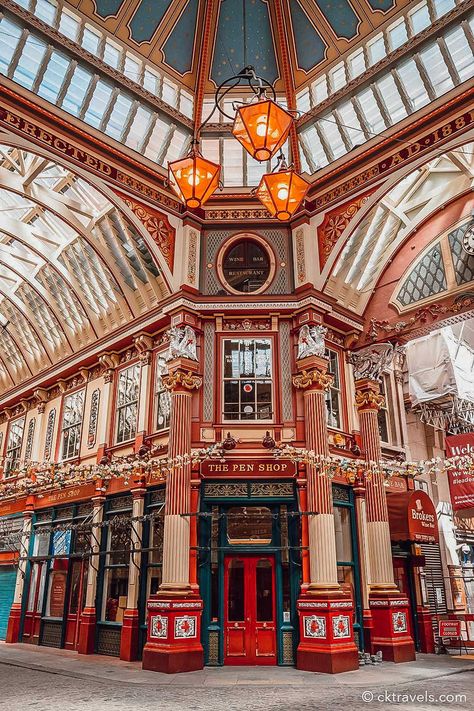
(250, 616)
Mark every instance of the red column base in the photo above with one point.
(326, 635)
(368, 624)
(14, 620)
(425, 630)
(129, 637)
(86, 642)
(174, 635)
(391, 633)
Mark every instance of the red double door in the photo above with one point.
(250, 616)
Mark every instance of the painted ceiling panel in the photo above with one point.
(309, 45)
(341, 17)
(108, 8)
(178, 48)
(146, 19)
(244, 36)
(383, 5)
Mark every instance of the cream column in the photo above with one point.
(369, 401)
(96, 535)
(144, 345)
(313, 379)
(138, 508)
(109, 361)
(181, 382)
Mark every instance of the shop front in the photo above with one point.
(413, 524)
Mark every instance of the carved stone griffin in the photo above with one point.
(311, 341)
(182, 343)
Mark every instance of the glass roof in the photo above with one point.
(72, 267)
(370, 246)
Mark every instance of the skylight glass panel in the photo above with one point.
(356, 64)
(24, 3)
(29, 62)
(53, 77)
(118, 117)
(132, 68)
(413, 84)
(233, 163)
(255, 170)
(9, 36)
(170, 92)
(351, 125)
(376, 50)
(337, 77)
(397, 35)
(319, 91)
(112, 54)
(76, 92)
(46, 11)
(90, 41)
(69, 25)
(460, 52)
(302, 101)
(441, 7)
(328, 127)
(177, 145)
(419, 18)
(151, 81)
(391, 98)
(155, 142)
(98, 103)
(186, 104)
(437, 70)
(371, 110)
(138, 128)
(313, 148)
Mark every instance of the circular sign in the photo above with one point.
(468, 239)
(248, 409)
(248, 388)
(246, 266)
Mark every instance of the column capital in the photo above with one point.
(368, 396)
(314, 379)
(184, 380)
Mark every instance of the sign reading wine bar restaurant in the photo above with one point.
(461, 481)
(248, 468)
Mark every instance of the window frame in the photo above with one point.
(119, 408)
(271, 380)
(157, 393)
(70, 427)
(338, 389)
(8, 468)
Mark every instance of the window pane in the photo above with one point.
(460, 52)
(420, 18)
(90, 41)
(98, 104)
(53, 77)
(264, 591)
(118, 117)
(413, 84)
(138, 128)
(115, 594)
(30, 60)
(342, 527)
(9, 36)
(76, 91)
(236, 599)
(46, 11)
(69, 25)
(437, 70)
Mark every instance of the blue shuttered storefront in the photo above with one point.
(7, 589)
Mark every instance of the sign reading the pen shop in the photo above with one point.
(248, 468)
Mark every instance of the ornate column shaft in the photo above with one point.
(14, 620)
(182, 383)
(89, 616)
(369, 401)
(129, 638)
(314, 381)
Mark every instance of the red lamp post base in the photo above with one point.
(174, 635)
(129, 637)
(86, 644)
(391, 632)
(14, 620)
(326, 635)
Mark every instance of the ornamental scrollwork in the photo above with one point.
(369, 400)
(313, 378)
(371, 362)
(182, 379)
(311, 341)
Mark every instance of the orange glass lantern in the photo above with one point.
(262, 128)
(282, 193)
(194, 179)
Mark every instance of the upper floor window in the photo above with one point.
(385, 429)
(162, 396)
(72, 424)
(15, 440)
(333, 395)
(127, 403)
(248, 379)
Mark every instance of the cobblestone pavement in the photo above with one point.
(44, 680)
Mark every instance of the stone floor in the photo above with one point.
(45, 679)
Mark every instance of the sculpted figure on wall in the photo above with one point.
(311, 341)
(182, 343)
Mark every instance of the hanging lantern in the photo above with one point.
(262, 128)
(282, 192)
(194, 179)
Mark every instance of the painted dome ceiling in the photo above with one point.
(170, 33)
